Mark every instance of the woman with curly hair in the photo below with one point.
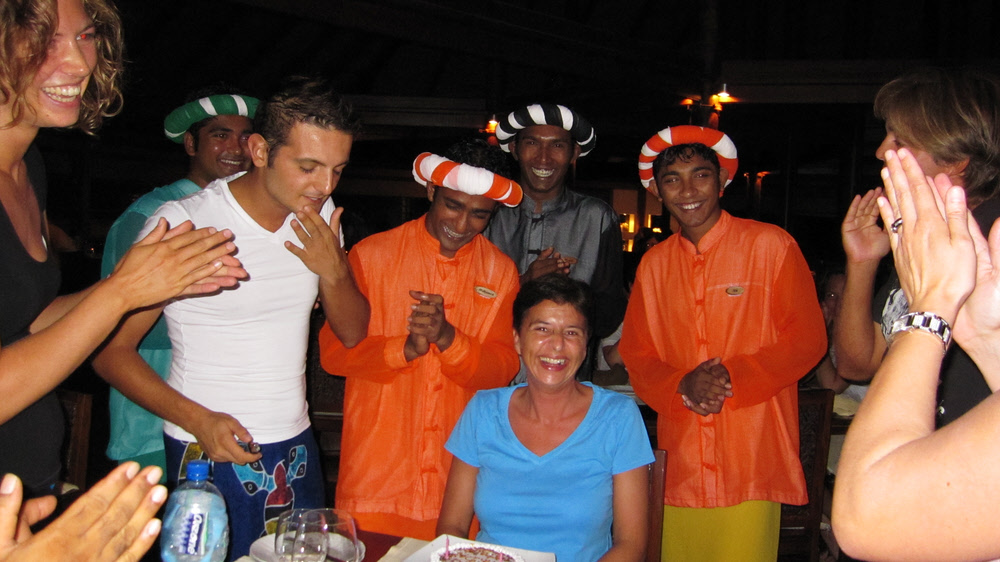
(60, 66)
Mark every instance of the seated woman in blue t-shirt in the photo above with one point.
(550, 464)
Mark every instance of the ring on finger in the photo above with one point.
(896, 225)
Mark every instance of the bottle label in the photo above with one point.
(196, 533)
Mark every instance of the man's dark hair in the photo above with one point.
(303, 99)
(217, 89)
(479, 153)
(684, 153)
(558, 288)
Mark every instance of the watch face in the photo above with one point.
(924, 321)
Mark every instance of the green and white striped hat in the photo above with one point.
(181, 119)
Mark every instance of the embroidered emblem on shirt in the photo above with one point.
(734, 291)
(486, 292)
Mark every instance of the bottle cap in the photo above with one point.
(197, 470)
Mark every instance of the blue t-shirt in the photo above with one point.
(562, 501)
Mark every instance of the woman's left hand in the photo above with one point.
(113, 521)
(979, 317)
(933, 250)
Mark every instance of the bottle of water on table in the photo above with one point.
(195, 527)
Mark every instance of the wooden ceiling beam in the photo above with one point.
(421, 112)
(811, 81)
(497, 30)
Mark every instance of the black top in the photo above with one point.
(30, 442)
(962, 386)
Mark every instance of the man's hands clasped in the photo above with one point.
(427, 325)
(704, 390)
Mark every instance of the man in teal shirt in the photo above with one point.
(213, 125)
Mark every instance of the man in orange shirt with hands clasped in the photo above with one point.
(722, 322)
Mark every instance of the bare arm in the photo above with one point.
(152, 272)
(58, 308)
(903, 489)
(630, 502)
(119, 363)
(457, 507)
(827, 377)
(857, 341)
(346, 309)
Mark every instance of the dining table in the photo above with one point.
(379, 547)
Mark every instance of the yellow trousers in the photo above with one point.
(747, 532)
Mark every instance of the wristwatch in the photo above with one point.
(925, 321)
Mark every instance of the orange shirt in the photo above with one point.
(397, 415)
(747, 297)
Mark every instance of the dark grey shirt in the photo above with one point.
(576, 225)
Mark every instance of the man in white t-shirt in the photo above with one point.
(238, 370)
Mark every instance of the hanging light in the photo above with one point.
(491, 125)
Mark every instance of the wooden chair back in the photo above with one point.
(800, 523)
(657, 475)
(78, 407)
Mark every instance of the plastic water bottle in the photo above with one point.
(195, 527)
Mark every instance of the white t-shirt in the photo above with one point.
(243, 351)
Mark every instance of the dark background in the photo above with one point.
(425, 72)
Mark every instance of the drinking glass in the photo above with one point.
(343, 544)
(301, 536)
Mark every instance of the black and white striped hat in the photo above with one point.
(547, 114)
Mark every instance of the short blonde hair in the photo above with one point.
(952, 114)
(27, 27)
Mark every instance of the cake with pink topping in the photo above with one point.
(474, 553)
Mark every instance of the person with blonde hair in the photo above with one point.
(905, 490)
(949, 119)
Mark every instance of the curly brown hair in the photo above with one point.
(26, 29)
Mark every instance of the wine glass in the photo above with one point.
(302, 536)
(342, 540)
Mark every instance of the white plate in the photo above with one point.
(262, 549)
(424, 554)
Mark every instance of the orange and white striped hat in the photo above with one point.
(686, 134)
(466, 178)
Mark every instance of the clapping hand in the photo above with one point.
(113, 521)
(863, 238)
(933, 249)
(427, 324)
(179, 261)
(548, 261)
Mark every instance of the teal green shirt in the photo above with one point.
(135, 431)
